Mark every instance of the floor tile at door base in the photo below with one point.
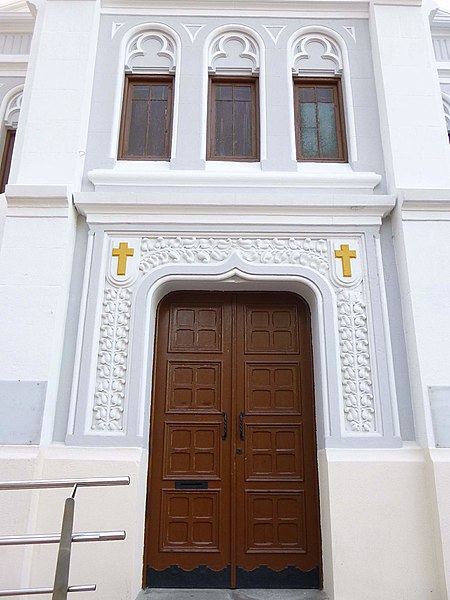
(172, 594)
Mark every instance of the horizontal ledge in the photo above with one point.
(352, 180)
(38, 196)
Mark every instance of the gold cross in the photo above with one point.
(122, 252)
(345, 254)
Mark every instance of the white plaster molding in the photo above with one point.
(115, 28)
(222, 60)
(38, 200)
(329, 179)
(292, 8)
(193, 30)
(12, 111)
(446, 105)
(303, 54)
(160, 59)
(275, 31)
(310, 252)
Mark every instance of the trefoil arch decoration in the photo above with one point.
(13, 107)
(446, 105)
(316, 52)
(151, 50)
(234, 51)
(359, 414)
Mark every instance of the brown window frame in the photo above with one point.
(211, 146)
(130, 82)
(335, 82)
(5, 166)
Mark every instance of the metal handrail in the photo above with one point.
(65, 539)
(55, 538)
(40, 484)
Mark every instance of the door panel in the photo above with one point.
(233, 496)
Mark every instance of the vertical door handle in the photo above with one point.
(241, 425)
(225, 425)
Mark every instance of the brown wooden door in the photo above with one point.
(233, 492)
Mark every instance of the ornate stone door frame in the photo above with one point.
(355, 400)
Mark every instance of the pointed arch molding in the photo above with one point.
(234, 51)
(151, 49)
(356, 381)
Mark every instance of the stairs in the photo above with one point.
(190, 594)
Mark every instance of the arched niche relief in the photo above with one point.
(234, 52)
(317, 54)
(151, 51)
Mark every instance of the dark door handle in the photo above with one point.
(241, 425)
(225, 425)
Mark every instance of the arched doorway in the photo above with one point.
(233, 495)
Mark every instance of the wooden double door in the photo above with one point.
(233, 491)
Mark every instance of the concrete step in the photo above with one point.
(189, 594)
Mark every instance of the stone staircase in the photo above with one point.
(190, 594)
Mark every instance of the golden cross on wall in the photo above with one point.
(345, 254)
(122, 252)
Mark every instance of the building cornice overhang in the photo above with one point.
(425, 204)
(16, 22)
(351, 8)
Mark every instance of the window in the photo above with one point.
(319, 120)
(233, 119)
(147, 118)
(6, 158)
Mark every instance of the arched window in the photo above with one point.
(234, 58)
(318, 62)
(9, 126)
(147, 115)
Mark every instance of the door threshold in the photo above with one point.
(216, 594)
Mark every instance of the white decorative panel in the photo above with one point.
(13, 110)
(316, 52)
(315, 253)
(234, 51)
(151, 50)
(442, 48)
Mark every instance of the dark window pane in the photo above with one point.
(243, 129)
(234, 120)
(141, 92)
(224, 129)
(242, 92)
(325, 95)
(327, 131)
(318, 121)
(137, 136)
(307, 94)
(308, 130)
(147, 124)
(224, 92)
(159, 92)
(157, 128)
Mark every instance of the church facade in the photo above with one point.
(225, 234)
